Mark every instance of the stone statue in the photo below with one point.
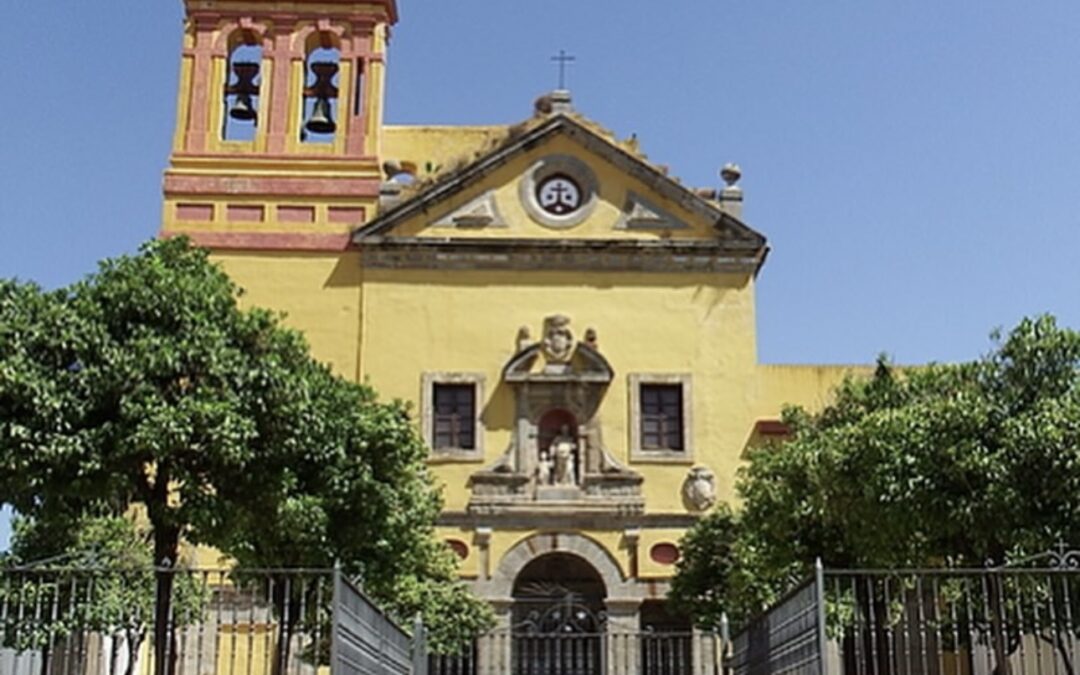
(699, 490)
(564, 449)
(543, 469)
(558, 340)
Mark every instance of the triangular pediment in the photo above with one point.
(617, 196)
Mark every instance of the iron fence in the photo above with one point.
(217, 622)
(787, 639)
(992, 621)
(610, 652)
(366, 641)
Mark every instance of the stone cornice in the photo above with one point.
(562, 254)
(567, 521)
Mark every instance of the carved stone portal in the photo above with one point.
(557, 460)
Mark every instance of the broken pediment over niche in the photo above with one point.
(480, 212)
(558, 356)
(557, 461)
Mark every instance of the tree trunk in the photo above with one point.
(166, 546)
(999, 640)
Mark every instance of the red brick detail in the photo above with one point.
(267, 241)
(460, 548)
(195, 213)
(245, 213)
(347, 215)
(296, 214)
(665, 554)
(284, 187)
(772, 428)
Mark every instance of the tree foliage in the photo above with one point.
(953, 464)
(147, 384)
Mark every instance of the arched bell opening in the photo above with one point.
(243, 82)
(322, 77)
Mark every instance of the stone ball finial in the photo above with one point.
(591, 338)
(544, 105)
(731, 173)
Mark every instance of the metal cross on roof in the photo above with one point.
(563, 59)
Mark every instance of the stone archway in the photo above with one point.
(549, 587)
(501, 584)
(558, 618)
(621, 603)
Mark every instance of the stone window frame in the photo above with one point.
(643, 455)
(547, 167)
(428, 381)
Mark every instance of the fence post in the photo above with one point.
(819, 599)
(725, 642)
(419, 647)
(335, 619)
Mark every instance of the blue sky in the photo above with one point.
(913, 164)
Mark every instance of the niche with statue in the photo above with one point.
(557, 459)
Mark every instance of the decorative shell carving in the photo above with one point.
(699, 489)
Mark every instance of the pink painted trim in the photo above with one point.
(296, 214)
(772, 428)
(298, 157)
(292, 187)
(267, 241)
(388, 6)
(346, 215)
(245, 213)
(195, 213)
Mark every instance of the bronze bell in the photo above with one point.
(243, 109)
(322, 119)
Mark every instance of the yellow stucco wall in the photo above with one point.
(417, 321)
(319, 294)
(809, 386)
(432, 148)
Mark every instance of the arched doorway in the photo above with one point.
(558, 617)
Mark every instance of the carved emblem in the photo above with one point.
(699, 489)
(558, 340)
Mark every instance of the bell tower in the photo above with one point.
(278, 122)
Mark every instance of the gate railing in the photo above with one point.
(611, 652)
(101, 621)
(983, 621)
(788, 638)
(365, 640)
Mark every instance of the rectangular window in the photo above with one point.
(453, 420)
(662, 417)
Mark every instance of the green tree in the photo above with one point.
(942, 465)
(147, 384)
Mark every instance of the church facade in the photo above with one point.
(574, 328)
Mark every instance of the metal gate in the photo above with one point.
(558, 636)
